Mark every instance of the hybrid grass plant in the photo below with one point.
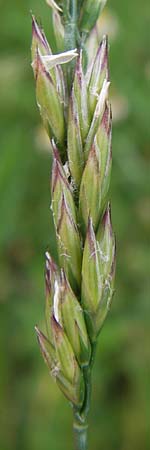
(72, 95)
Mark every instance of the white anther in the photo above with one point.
(56, 300)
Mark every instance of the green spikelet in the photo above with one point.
(98, 271)
(90, 13)
(61, 364)
(74, 323)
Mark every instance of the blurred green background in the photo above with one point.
(33, 413)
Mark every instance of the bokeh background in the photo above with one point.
(33, 413)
